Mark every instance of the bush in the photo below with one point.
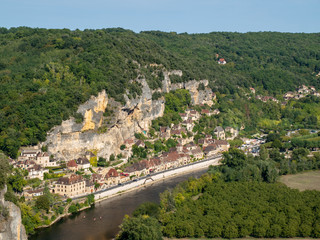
(73, 209)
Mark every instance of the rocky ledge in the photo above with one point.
(71, 140)
(11, 227)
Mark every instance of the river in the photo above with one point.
(82, 226)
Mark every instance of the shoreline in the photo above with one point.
(148, 183)
(120, 193)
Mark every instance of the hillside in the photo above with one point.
(46, 74)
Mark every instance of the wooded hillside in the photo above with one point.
(46, 74)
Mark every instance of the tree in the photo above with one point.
(17, 182)
(140, 228)
(73, 209)
(234, 158)
(276, 144)
(90, 199)
(102, 162)
(148, 208)
(43, 202)
(4, 170)
(112, 157)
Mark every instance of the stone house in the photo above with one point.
(165, 132)
(211, 150)
(206, 112)
(188, 124)
(112, 177)
(43, 159)
(197, 153)
(184, 116)
(83, 164)
(216, 112)
(71, 186)
(222, 61)
(72, 165)
(36, 172)
(219, 132)
(33, 193)
(29, 153)
(232, 132)
(222, 145)
(140, 143)
(194, 115)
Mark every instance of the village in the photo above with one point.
(79, 177)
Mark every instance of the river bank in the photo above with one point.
(139, 184)
(82, 226)
(158, 177)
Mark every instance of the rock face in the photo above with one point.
(11, 227)
(71, 140)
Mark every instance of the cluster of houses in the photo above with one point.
(35, 162)
(301, 92)
(80, 178)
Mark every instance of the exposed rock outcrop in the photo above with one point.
(11, 227)
(71, 140)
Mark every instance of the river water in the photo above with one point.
(102, 221)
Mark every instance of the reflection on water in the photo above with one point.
(102, 221)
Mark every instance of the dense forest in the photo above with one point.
(46, 74)
(240, 198)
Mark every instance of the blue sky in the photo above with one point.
(196, 16)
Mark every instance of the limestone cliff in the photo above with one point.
(71, 140)
(11, 227)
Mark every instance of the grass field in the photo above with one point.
(302, 181)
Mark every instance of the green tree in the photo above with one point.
(140, 228)
(43, 202)
(17, 182)
(4, 170)
(234, 158)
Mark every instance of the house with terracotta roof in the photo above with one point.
(24, 164)
(72, 165)
(112, 177)
(222, 61)
(184, 116)
(206, 112)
